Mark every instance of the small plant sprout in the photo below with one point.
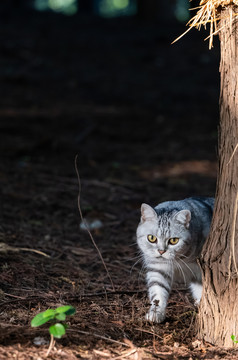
(233, 338)
(56, 318)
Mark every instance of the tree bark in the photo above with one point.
(218, 312)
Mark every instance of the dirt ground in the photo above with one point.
(142, 116)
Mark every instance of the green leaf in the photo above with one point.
(61, 316)
(49, 312)
(67, 309)
(71, 311)
(57, 330)
(233, 338)
(40, 319)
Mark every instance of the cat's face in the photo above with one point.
(163, 236)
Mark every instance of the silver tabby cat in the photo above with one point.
(171, 237)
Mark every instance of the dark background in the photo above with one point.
(114, 91)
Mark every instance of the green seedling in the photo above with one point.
(56, 317)
(233, 338)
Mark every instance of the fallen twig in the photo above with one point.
(86, 226)
(149, 332)
(99, 336)
(5, 248)
(15, 296)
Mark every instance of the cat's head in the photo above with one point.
(163, 235)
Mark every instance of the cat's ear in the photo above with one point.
(147, 213)
(183, 217)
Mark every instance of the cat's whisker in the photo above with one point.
(191, 259)
(141, 272)
(139, 256)
(188, 267)
(133, 244)
(181, 270)
(186, 257)
(138, 260)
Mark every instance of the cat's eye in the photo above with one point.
(152, 238)
(173, 241)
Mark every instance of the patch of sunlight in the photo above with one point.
(182, 10)
(112, 8)
(67, 7)
(41, 5)
(120, 4)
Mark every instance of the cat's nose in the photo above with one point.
(161, 252)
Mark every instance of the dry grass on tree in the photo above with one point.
(208, 12)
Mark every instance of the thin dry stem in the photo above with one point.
(86, 225)
(52, 342)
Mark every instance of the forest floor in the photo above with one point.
(142, 117)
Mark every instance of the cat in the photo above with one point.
(170, 238)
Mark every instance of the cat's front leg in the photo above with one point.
(159, 280)
(196, 291)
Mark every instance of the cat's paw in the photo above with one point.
(155, 315)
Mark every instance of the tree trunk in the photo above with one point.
(218, 313)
